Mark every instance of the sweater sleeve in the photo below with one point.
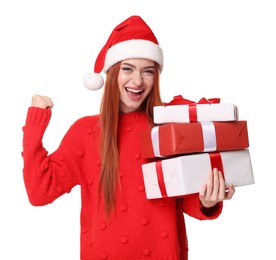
(46, 177)
(192, 206)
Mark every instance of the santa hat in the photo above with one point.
(132, 38)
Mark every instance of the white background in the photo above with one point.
(220, 48)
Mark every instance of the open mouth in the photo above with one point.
(132, 91)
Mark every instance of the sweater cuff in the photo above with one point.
(38, 116)
(212, 212)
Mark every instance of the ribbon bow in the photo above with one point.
(179, 100)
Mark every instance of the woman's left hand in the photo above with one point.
(214, 190)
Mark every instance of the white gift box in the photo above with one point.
(204, 112)
(179, 176)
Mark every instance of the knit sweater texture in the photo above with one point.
(139, 229)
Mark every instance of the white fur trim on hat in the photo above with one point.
(132, 49)
(93, 81)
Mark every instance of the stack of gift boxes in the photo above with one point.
(188, 141)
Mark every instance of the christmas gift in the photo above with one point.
(181, 110)
(183, 138)
(183, 175)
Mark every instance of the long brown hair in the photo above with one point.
(109, 114)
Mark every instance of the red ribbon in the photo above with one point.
(179, 100)
(160, 177)
(216, 161)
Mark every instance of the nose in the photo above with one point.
(137, 78)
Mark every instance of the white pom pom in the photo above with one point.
(93, 81)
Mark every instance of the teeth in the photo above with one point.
(136, 91)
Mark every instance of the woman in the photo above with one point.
(101, 153)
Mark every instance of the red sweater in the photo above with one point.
(139, 228)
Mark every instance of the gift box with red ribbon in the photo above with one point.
(184, 138)
(181, 110)
(183, 175)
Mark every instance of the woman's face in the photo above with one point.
(135, 80)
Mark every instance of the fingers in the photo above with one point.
(221, 188)
(230, 192)
(214, 190)
(209, 185)
(215, 186)
(203, 190)
(42, 101)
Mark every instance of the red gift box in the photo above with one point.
(185, 138)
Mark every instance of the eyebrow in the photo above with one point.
(131, 65)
